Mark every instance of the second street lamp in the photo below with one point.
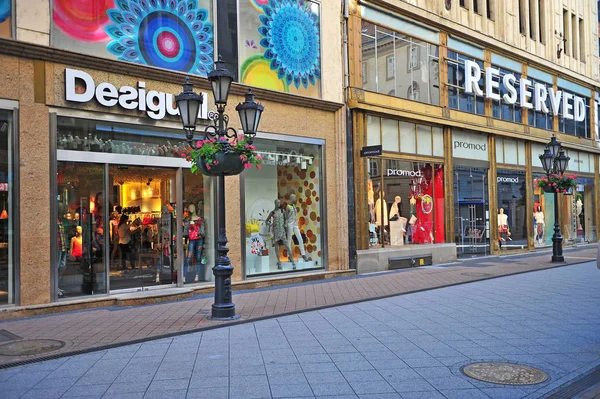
(250, 112)
(554, 161)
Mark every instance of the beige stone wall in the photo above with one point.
(19, 83)
(503, 30)
(33, 21)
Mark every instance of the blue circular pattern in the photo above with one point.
(4, 10)
(138, 25)
(290, 32)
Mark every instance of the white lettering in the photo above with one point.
(539, 97)
(107, 95)
(470, 146)
(80, 91)
(156, 104)
(524, 85)
(567, 106)
(407, 173)
(509, 84)
(555, 100)
(128, 97)
(502, 179)
(579, 109)
(473, 75)
(492, 86)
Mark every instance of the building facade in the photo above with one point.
(96, 197)
(452, 103)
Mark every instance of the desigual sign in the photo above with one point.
(81, 88)
(502, 179)
(530, 95)
(405, 173)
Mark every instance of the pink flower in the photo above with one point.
(198, 144)
(184, 155)
(222, 138)
(259, 157)
(557, 190)
(258, 166)
(208, 166)
(215, 162)
(247, 165)
(212, 140)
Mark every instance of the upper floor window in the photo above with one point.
(540, 119)
(177, 35)
(502, 109)
(397, 64)
(6, 20)
(457, 97)
(571, 125)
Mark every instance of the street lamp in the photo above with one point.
(554, 161)
(188, 104)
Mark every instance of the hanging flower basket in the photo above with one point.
(222, 157)
(557, 183)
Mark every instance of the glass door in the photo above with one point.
(143, 216)
(471, 212)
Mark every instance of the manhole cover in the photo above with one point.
(504, 373)
(475, 274)
(30, 347)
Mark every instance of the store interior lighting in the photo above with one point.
(284, 158)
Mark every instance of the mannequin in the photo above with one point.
(503, 231)
(77, 244)
(378, 211)
(61, 248)
(371, 200)
(196, 241)
(539, 223)
(395, 211)
(579, 210)
(291, 220)
(276, 224)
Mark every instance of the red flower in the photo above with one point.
(258, 166)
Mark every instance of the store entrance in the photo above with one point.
(142, 226)
(471, 212)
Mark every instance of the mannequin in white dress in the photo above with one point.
(397, 223)
(540, 224)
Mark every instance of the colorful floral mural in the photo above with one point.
(5, 18)
(280, 45)
(170, 34)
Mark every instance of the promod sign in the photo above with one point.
(530, 95)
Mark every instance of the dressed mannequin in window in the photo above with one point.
(196, 241)
(276, 224)
(77, 244)
(579, 210)
(381, 222)
(371, 200)
(539, 223)
(503, 230)
(291, 220)
(61, 248)
(397, 223)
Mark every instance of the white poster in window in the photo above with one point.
(469, 145)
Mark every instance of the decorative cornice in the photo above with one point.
(36, 52)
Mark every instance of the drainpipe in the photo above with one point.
(349, 145)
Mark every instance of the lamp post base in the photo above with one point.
(223, 308)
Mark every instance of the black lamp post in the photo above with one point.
(189, 104)
(554, 161)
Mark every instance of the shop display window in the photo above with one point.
(283, 215)
(512, 215)
(177, 37)
(7, 208)
(399, 65)
(77, 134)
(457, 97)
(6, 19)
(405, 203)
(543, 215)
(577, 222)
(471, 210)
(500, 108)
(80, 229)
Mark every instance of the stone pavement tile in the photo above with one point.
(348, 396)
(354, 365)
(284, 369)
(170, 385)
(174, 394)
(504, 393)
(422, 362)
(50, 382)
(243, 370)
(279, 379)
(449, 383)
(451, 361)
(236, 381)
(45, 393)
(464, 394)
(319, 367)
(331, 377)
(200, 381)
(423, 395)
(388, 364)
(371, 387)
(97, 378)
(86, 392)
(212, 393)
(318, 358)
(364, 375)
(413, 385)
(291, 390)
(434, 372)
(130, 395)
(320, 389)
(388, 395)
(380, 355)
(400, 374)
(250, 392)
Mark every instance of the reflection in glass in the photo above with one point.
(7, 229)
(471, 211)
(512, 216)
(80, 229)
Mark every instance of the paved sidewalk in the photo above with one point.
(403, 347)
(96, 328)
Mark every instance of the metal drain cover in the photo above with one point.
(30, 347)
(505, 373)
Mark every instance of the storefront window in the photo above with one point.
(399, 65)
(502, 109)
(540, 119)
(512, 215)
(198, 236)
(572, 127)
(405, 137)
(7, 228)
(80, 229)
(471, 210)
(457, 97)
(543, 215)
(177, 37)
(283, 209)
(6, 20)
(577, 213)
(406, 203)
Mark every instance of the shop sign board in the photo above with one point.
(469, 145)
(530, 95)
(81, 88)
(506, 179)
(371, 151)
(404, 173)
